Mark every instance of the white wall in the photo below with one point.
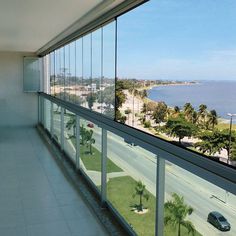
(16, 108)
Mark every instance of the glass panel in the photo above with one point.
(57, 73)
(62, 72)
(87, 72)
(96, 70)
(47, 115)
(79, 72)
(131, 186)
(52, 73)
(70, 134)
(67, 73)
(57, 123)
(90, 150)
(72, 72)
(177, 84)
(46, 74)
(108, 70)
(189, 199)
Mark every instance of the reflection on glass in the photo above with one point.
(90, 150)
(108, 70)
(79, 72)
(61, 76)
(52, 73)
(57, 123)
(57, 73)
(184, 190)
(166, 86)
(131, 186)
(70, 134)
(71, 89)
(47, 115)
(87, 70)
(67, 72)
(95, 98)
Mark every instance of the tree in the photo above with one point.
(91, 98)
(215, 141)
(144, 108)
(159, 113)
(143, 93)
(176, 111)
(212, 119)
(151, 106)
(120, 99)
(119, 117)
(140, 190)
(82, 134)
(233, 152)
(202, 112)
(127, 112)
(188, 111)
(180, 128)
(209, 143)
(177, 211)
(89, 139)
(71, 123)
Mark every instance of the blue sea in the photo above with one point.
(218, 95)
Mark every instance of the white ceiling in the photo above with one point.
(27, 25)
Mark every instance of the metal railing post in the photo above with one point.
(77, 142)
(62, 128)
(104, 166)
(51, 121)
(160, 196)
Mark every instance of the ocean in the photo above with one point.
(218, 95)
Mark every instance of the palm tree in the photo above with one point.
(188, 111)
(212, 118)
(140, 190)
(144, 108)
(176, 111)
(202, 112)
(89, 139)
(177, 211)
(82, 134)
(71, 123)
(127, 112)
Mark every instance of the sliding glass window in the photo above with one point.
(79, 72)
(131, 183)
(47, 114)
(87, 70)
(90, 151)
(52, 73)
(70, 135)
(67, 73)
(72, 69)
(56, 123)
(95, 98)
(108, 69)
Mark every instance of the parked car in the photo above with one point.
(90, 125)
(219, 221)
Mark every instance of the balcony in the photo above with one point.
(113, 158)
(36, 197)
(68, 166)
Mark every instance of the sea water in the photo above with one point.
(218, 95)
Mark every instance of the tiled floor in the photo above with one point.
(35, 197)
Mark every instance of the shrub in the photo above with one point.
(147, 124)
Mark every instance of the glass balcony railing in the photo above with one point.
(154, 188)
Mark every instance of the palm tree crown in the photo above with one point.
(177, 211)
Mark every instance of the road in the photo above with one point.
(141, 164)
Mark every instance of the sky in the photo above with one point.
(178, 40)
